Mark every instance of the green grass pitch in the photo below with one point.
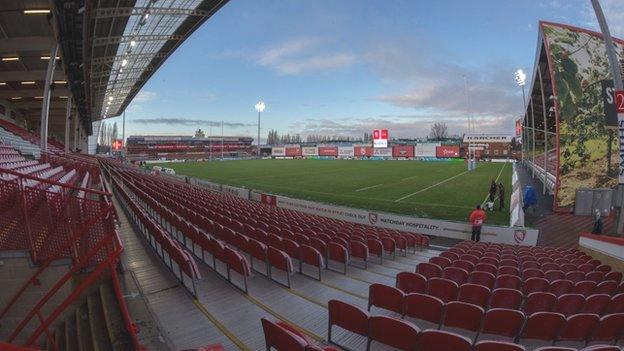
(441, 190)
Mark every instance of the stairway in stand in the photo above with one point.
(559, 229)
(96, 325)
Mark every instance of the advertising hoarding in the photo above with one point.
(327, 151)
(447, 151)
(278, 151)
(403, 151)
(426, 149)
(363, 151)
(309, 151)
(345, 151)
(382, 152)
(293, 151)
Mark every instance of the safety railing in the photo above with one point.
(54, 225)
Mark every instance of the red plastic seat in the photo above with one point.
(409, 282)
(511, 270)
(358, 249)
(615, 276)
(543, 326)
(553, 275)
(502, 321)
(616, 305)
(482, 278)
(386, 297)
(508, 281)
(539, 302)
(458, 275)
(535, 284)
(280, 260)
(440, 261)
(424, 307)
(429, 270)
(393, 332)
(463, 315)
(444, 289)
(575, 276)
(337, 253)
(486, 267)
(375, 247)
(594, 276)
(475, 294)
(238, 263)
(596, 304)
(606, 287)
(439, 340)
(585, 287)
(463, 264)
(569, 304)
(493, 260)
(578, 327)
(348, 317)
(505, 298)
(291, 248)
(490, 345)
(310, 256)
(610, 327)
(600, 348)
(560, 287)
(280, 339)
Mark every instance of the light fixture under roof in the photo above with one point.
(110, 98)
(63, 96)
(132, 43)
(60, 82)
(38, 97)
(16, 98)
(3, 83)
(48, 57)
(28, 82)
(14, 58)
(124, 62)
(37, 12)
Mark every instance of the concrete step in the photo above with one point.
(115, 324)
(97, 323)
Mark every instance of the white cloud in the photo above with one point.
(435, 82)
(303, 55)
(145, 96)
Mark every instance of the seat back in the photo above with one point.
(348, 317)
(502, 321)
(280, 339)
(432, 340)
(386, 297)
(423, 306)
(543, 326)
(409, 282)
(393, 332)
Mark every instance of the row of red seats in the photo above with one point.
(245, 210)
(169, 250)
(404, 335)
(560, 286)
(527, 270)
(329, 250)
(407, 282)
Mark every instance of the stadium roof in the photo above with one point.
(108, 50)
(25, 41)
(128, 40)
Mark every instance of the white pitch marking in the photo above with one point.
(369, 187)
(431, 186)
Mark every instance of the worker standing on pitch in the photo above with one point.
(477, 217)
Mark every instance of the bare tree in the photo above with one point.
(439, 131)
(200, 133)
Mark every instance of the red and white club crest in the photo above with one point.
(519, 236)
(372, 218)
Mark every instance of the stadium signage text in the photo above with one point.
(619, 104)
(450, 229)
(380, 138)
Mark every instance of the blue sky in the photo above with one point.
(343, 67)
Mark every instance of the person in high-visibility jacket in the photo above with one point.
(477, 217)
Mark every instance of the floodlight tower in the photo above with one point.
(260, 106)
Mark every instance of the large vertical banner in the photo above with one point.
(586, 151)
(380, 138)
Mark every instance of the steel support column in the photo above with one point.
(68, 118)
(45, 109)
(533, 136)
(539, 74)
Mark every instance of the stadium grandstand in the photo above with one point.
(98, 253)
(143, 148)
